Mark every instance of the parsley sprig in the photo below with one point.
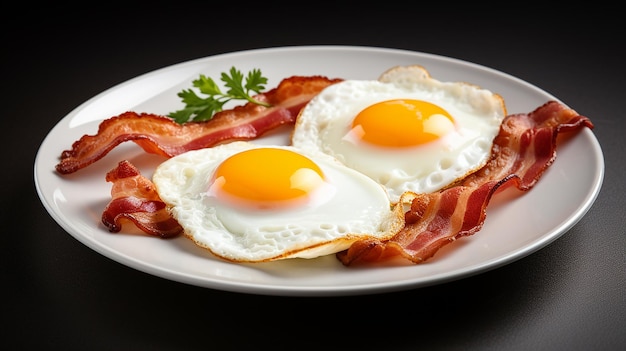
(202, 109)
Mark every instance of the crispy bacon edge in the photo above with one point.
(135, 198)
(522, 151)
(161, 135)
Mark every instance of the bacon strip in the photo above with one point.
(135, 198)
(522, 151)
(160, 135)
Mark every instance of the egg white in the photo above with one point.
(357, 208)
(324, 123)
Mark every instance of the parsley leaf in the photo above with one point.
(199, 108)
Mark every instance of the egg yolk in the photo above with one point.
(402, 123)
(266, 178)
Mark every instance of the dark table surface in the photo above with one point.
(570, 295)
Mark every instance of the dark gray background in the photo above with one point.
(57, 292)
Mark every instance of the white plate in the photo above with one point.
(515, 227)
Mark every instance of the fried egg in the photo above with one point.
(407, 131)
(248, 202)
